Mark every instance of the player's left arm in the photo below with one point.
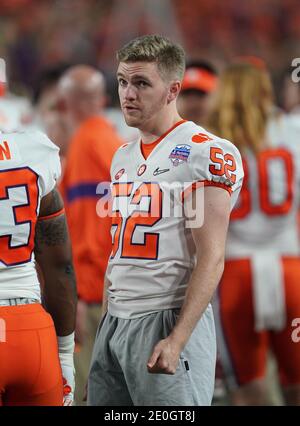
(53, 255)
(210, 241)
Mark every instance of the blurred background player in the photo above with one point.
(196, 95)
(91, 148)
(47, 109)
(36, 366)
(259, 296)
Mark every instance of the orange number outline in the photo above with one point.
(149, 248)
(119, 189)
(244, 208)
(225, 168)
(25, 213)
(216, 160)
(264, 199)
(244, 200)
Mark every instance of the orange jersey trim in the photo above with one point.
(264, 192)
(53, 215)
(200, 183)
(147, 148)
(2, 89)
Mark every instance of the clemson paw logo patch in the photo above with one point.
(119, 174)
(201, 138)
(141, 169)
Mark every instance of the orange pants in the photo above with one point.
(243, 350)
(30, 372)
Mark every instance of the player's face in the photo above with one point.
(143, 93)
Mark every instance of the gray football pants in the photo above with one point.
(119, 375)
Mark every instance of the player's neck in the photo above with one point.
(155, 130)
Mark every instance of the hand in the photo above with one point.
(68, 373)
(164, 358)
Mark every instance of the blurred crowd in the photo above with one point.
(38, 34)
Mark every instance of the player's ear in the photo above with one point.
(174, 90)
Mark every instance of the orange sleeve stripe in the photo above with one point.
(218, 184)
(200, 183)
(53, 215)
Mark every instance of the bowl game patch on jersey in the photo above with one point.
(180, 154)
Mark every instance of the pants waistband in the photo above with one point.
(17, 301)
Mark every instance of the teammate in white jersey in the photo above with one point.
(259, 294)
(156, 345)
(36, 366)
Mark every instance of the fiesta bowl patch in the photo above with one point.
(180, 154)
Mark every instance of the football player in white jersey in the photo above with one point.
(36, 347)
(258, 301)
(156, 343)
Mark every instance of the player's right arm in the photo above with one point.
(53, 254)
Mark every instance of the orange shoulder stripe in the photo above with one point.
(200, 183)
(53, 215)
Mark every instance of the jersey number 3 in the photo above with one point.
(18, 206)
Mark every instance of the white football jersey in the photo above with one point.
(153, 252)
(266, 213)
(29, 168)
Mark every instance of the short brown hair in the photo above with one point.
(170, 57)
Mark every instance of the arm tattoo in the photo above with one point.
(51, 232)
(69, 271)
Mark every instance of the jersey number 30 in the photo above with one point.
(266, 204)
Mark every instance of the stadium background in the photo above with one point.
(35, 34)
